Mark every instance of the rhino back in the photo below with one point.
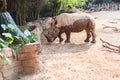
(66, 19)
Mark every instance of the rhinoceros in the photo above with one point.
(71, 22)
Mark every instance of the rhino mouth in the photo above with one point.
(51, 35)
(50, 39)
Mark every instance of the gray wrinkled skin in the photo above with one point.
(51, 34)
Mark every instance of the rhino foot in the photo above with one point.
(60, 40)
(86, 40)
(67, 41)
(94, 41)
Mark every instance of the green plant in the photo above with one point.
(4, 44)
(10, 35)
(56, 5)
(31, 37)
(4, 58)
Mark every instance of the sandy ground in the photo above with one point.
(79, 60)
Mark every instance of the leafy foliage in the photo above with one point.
(31, 37)
(72, 3)
(9, 36)
(56, 5)
(25, 10)
(3, 43)
(4, 58)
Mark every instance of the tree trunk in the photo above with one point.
(3, 5)
(5, 18)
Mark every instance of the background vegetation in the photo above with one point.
(27, 10)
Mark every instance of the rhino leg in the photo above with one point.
(93, 35)
(88, 35)
(60, 38)
(67, 37)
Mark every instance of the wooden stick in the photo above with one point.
(110, 46)
(109, 43)
(115, 29)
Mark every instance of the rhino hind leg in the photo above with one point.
(93, 36)
(88, 35)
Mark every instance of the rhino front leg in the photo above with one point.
(60, 38)
(67, 37)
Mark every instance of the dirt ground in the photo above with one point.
(79, 60)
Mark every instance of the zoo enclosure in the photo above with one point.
(112, 6)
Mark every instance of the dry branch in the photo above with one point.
(110, 47)
(112, 22)
(114, 28)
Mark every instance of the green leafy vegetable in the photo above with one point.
(10, 35)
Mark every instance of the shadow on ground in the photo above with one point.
(65, 48)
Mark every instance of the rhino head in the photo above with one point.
(51, 34)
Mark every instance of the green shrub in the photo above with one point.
(10, 34)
